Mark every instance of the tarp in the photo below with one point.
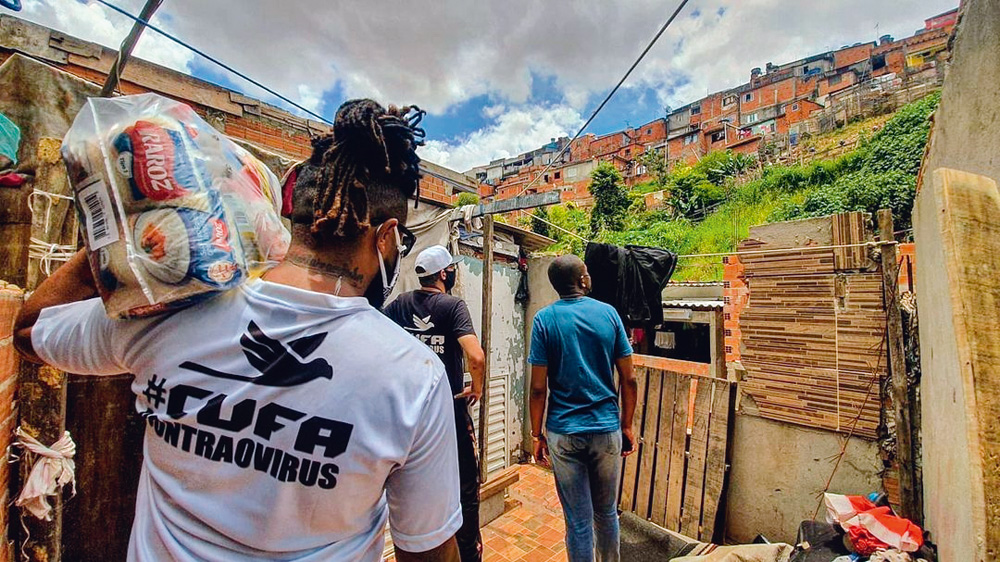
(42, 101)
(744, 553)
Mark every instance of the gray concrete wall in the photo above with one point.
(541, 294)
(777, 471)
(957, 507)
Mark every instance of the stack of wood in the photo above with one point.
(813, 329)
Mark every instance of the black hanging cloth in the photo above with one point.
(631, 279)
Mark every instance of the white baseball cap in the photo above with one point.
(433, 260)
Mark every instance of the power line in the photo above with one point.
(609, 96)
(214, 60)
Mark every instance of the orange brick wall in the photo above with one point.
(847, 79)
(778, 92)
(736, 294)
(852, 55)
(260, 131)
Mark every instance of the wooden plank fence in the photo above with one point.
(676, 477)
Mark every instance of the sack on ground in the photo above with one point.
(171, 210)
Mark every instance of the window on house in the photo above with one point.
(546, 178)
(752, 118)
(649, 131)
(690, 139)
(834, 80)
(696, 110)
(640, 170)
(748, 96)
(719, 136)
(628, 151)
(795, 107)
(558, 175)
(728, 100)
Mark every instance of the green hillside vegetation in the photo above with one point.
(712, 204)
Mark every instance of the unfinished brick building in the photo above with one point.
(777, 104)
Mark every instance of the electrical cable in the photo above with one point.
(214, 60)
(607, 98)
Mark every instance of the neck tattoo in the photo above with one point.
(327, 269)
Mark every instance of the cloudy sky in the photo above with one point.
(497, 78)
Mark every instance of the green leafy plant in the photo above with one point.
(610, 199)
(466, 198)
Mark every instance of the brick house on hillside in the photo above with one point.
(778, 103)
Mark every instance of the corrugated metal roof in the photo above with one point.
(696, 304)
(694, 284)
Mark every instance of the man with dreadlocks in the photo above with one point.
(287, 419)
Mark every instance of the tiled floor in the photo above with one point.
(532, 528)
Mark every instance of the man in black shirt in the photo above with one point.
(443, 323)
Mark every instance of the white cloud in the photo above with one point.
(516, 130)
(310, 98)
(93, 22)
(439, 53)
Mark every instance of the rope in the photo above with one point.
(53, 470)
(47, 253)
(50, 199)
(214, 60)
(606, 99)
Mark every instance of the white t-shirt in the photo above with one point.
(282, 424)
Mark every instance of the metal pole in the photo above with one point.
(114, 75)
(484, 401)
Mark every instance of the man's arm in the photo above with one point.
(536, 405)
(447, 552)
(630, 394)
(70, 283)
(475, 361)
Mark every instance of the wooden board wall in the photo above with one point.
(812, 332)
(676, 477)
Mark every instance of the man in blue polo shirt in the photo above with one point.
(576, 343)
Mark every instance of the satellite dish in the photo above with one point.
(11, 4)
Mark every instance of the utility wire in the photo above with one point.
(607, 98)
(214, 60)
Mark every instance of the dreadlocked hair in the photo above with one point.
(368, 168)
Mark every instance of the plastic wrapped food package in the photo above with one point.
(171, 210)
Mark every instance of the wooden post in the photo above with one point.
(909, 507)
(42, 390)
(484, 402)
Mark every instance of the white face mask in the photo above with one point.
(375, 297)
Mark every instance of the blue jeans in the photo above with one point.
(587, 468)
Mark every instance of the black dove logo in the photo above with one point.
(277, 365)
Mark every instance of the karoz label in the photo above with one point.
(98, 214)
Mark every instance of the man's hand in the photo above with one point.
(541, 450)
(628, 440)
(471, 394)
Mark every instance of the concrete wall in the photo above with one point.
(777, 471)
(961, 454)
(541, 295)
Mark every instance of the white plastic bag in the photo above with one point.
(171, 210)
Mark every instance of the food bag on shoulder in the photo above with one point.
(171, 210)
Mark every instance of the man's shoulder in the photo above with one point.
(595, 304)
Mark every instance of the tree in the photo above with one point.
(537, 224)
(610, 199)
(466, 198)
